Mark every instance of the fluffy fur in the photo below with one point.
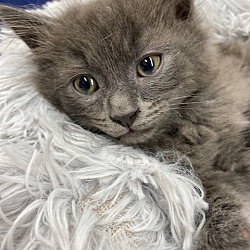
(184, 106)
(62, 187)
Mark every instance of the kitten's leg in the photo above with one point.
(228, 220)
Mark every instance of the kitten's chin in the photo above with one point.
(137, 136)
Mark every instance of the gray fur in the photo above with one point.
(197, 102)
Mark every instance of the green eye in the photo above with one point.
(149, 65)
(86, 85)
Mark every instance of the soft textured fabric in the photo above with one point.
(62, 187)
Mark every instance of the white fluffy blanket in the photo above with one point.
(62, 187)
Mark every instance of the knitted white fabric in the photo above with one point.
(62, 187)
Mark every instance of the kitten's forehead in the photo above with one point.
(105, 29)
(99, 25)
(106, 37)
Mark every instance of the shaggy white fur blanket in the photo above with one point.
(62, 187)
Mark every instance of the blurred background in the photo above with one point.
(23, 2)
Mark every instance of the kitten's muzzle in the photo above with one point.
(126, 120)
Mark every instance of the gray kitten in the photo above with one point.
(145, 72)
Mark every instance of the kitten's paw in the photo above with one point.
(246, 234)
(225, 227)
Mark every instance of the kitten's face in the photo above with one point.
(119, 67)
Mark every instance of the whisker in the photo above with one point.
(177, 112)
(185, 96)
(181, 108)
(185, 103)
(181, 97)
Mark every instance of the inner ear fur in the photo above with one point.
(183, 9)
(28, 26)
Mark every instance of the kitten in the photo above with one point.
(145, 72)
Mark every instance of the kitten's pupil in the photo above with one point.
(147, 65)
(85, 83)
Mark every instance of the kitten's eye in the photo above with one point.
(149, 65)
(86, 85)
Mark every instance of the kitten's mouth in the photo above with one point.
(135, 136)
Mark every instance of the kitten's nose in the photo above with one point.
(125, 120)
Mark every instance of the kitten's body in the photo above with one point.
(198, 102)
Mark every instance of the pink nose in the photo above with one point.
(125, 120)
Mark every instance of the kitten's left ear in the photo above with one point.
(183, 9)
(28, 26)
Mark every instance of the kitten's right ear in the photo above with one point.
(28, 26)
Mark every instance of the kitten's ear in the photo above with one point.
(28, 26)
(183, 9)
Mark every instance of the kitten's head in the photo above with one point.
(116, 66)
